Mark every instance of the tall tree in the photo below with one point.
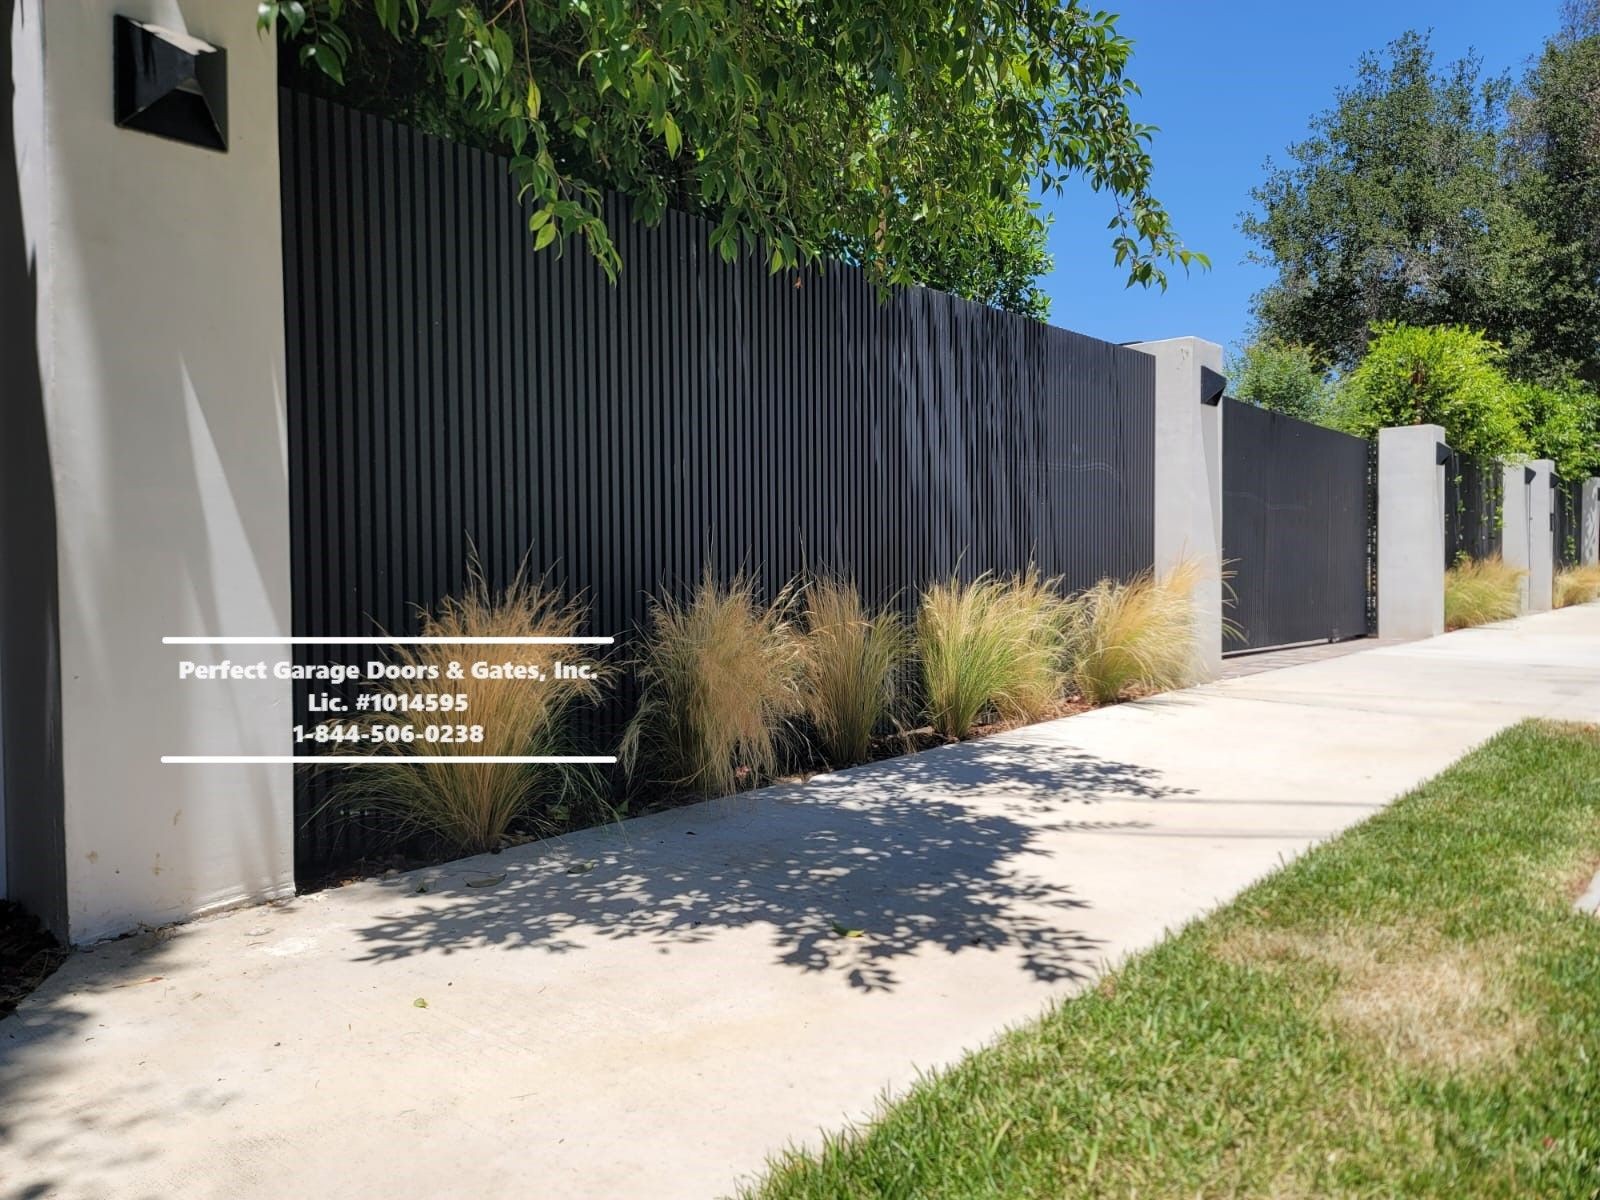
(1392, 210)
(907, 136)
(1554, 160)
(1580, 19)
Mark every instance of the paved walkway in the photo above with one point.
(1237, 666)
(650, 1010)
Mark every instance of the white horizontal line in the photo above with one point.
(355, 760)
(387, 641)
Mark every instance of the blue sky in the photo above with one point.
(1230, 84)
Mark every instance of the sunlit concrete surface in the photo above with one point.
(652, 1009)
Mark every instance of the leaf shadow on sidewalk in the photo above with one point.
(849, 872)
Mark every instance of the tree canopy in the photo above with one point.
(1436, 247)
(1553, 158)
(1392, 210)
(909, 138)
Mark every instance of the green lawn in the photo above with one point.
(1411, 1009)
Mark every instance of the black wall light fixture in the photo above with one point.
(1212, 385)
(170, 84)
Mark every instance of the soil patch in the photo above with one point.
(29, 954)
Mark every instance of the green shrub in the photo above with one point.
(1477, 591)
(1445, 375)
(1132, 637)
(472, 806)
(1563, 425)
(850, 664)
(1280, 376)
(990, 646)
(720, 677)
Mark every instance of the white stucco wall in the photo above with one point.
(1410, 532)
(166, 420)
(1188, 481)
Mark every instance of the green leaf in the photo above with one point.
(917, 152)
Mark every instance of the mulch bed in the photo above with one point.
(913, 741)
(28, 955)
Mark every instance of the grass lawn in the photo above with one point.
(1411, 1009)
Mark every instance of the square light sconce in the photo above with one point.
(170, 84)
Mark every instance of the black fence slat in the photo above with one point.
(1297, 522)
(1473, 508)
(1566, 523)
(450, 387)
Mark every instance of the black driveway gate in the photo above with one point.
(1297, 530)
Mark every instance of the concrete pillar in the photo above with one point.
(1541, 536)
(1188, 482)
(1410, 532)
(160, 409)
(1514, 526)
(1589, 522)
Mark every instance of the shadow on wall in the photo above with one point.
(848, 876)
(30, 681)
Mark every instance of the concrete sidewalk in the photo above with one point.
(650, 1010)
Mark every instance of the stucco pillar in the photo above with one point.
(1515, 547)
(1589, 522)
(1410, 532)
(1188, 481)
(1541, 536)
(160, 309)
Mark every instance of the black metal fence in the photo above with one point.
(1566, 524)
(1296, 529)
(448, 388)
(1474, 502)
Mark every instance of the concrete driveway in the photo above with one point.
(650, 1010)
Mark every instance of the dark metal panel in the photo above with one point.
(1473, 500)
(1566, 521)
(450, 387)
(1295, 529)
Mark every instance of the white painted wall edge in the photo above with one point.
(167, 429)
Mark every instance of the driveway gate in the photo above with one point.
(1298, 517)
